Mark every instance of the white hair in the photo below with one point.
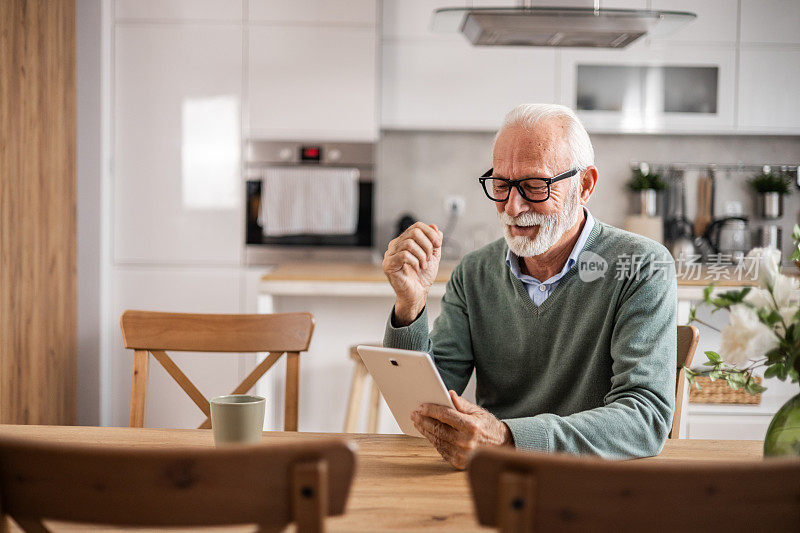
(528, 116)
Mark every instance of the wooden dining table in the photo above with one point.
(401, 482)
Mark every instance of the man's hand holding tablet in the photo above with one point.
(422, 406)
(457, 432)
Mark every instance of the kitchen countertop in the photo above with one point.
(367, 279)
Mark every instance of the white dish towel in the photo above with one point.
(309, 200)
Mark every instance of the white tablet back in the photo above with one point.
(406, 379)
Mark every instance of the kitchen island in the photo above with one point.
(352, 301)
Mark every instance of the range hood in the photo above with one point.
(558, 26)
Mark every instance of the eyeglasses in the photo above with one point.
(532, 189)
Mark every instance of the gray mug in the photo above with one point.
(237, 419)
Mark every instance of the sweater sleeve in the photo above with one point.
(449, 343)
(637, 412)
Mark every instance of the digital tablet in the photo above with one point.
(406, 379)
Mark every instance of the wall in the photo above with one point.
(417, 170)
(38, 319)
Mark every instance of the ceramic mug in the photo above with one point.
(237, 419)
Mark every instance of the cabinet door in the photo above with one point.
(770, 21)
(178, 10)
(455, 86)
(207, 290)
(652, 88)
(768, 81)
(177, 185)
(313, 11)
(741, 427)
(411, 19)
(715, 23)
(315, 83)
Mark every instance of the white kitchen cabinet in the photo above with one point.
(456, 86)
(177, 138)
(770, 21)
(178, 10)
(768, 82)
(716, 21)
(188, 290)
(348, 12)
(411, 19)
(313, 82)
(728, 427)
(652, 88)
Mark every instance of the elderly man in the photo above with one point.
(569, 323)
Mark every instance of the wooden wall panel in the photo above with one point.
(38, 300)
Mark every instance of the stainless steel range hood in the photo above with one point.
(557, 26)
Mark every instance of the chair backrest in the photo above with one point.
(524, 491)
(149, 332)
(267, 484)
(688, 337)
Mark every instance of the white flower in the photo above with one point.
(787, 313)
(745, 337)
(768, 260)
(759, 298)
(782, 290)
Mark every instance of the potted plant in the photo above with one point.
(771, 187)
(764, 331)
(647, 185)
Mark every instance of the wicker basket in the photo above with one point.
(719, 392)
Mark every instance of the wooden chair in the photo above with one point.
(360, 376)
(524, 491)
(153, 332)
(688, 337)
(269, 485)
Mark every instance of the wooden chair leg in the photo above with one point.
(374, 406)
(516, 502)
(141, 360)
(310, 496)
(292, 391)
(354, 401)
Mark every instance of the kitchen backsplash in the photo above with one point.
(417, 171)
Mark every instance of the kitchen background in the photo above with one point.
(170, 92)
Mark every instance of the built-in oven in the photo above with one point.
(312, 166)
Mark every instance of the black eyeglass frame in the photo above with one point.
(518, 184)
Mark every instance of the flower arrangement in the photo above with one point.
(764, 328)
(765, 182)
(642, 181)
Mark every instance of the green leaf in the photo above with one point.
(794, 375)
(771, 372)
(754, 388)
(707, 293)
(692, 315)
(713, 356)
(716, 374)
(783, 371)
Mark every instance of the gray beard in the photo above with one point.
(551, 227)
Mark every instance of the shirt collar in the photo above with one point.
(512, 260)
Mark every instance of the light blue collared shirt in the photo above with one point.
(537, 290)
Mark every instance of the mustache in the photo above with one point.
(527, 219)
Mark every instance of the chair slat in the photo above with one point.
(185, 383)
(591, 494)
(160, 487)
(688, 337)
(249, 381)
(148, 330)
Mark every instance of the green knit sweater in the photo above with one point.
(591, 370)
